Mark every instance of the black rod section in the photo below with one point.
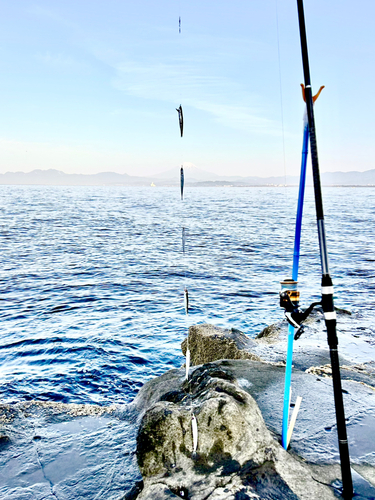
(327, 286)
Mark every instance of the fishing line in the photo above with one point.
(281, 90)
(182, 182)
(179, 17)
(194, 424)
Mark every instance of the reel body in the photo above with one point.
(289, 301)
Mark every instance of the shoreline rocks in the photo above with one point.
(209, 343)
(238, 403)
(237, 456)
(69, 451)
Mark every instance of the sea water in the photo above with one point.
(92, 278)
(92, 303)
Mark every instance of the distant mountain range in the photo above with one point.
(193, 177)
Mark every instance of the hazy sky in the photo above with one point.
(92, 85)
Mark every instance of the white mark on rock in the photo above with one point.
(194, 428)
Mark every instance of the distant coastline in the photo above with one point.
(194, 177)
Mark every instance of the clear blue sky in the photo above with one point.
(91, 86)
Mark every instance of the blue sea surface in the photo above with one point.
(92, 278)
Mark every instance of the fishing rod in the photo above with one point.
(291, 285)
(327, 285)
(296, 254)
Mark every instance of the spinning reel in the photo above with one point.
(289, 300)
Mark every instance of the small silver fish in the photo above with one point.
(194, 428)
(187, 363)
(186, 301)
(180, 119)
(182, 182)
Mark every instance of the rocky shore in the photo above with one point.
(145, 450)
(235, 392)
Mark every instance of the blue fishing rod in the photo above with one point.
(291, 285)
(296, 254)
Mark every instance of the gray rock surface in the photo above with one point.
(237, 456)
(314, 441)
(59, 451)
(208, 343)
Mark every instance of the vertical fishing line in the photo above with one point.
(281, 90)
(179, 17)
(183, 209)
(184, 266)
(194, 423)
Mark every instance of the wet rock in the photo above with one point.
(133, 493)
(270, 334)
(362, 373)
(209, 343)
(320, 371)
(66, 451)
(230, 463)
(237, 457)
(7, 414)
(153, 390)
(4, 441)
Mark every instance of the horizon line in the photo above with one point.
(150, 176)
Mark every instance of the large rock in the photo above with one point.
(166, 402)
(237, 457)
(209, 343)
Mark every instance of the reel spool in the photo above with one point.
(289, 293)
